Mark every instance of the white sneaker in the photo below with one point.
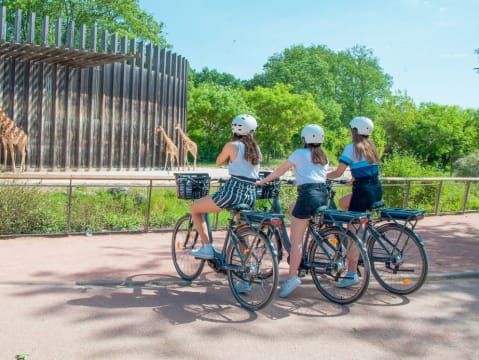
(349, 280)
(204, 252)
(289, 285)
(243, 287)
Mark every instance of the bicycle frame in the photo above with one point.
(312, 228)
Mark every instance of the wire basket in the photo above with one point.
(192, 186)
(266, 191)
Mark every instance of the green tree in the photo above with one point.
(214, 77)
(360, 82)
(307, 70)
(432, 132)
(120, 16)
(211, 108)
(281, 116)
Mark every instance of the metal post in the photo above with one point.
(69, 208)
(466, 194)
(147, 215)
(438, 198)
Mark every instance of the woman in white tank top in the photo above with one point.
(243, 157)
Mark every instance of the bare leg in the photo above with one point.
(298, 227)
(198, 210)
(353, 256)
(344, 201)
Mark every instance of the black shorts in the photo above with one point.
(310, 197)
(365, 193)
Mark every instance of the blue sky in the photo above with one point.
(427, 46)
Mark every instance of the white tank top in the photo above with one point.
(241, 167)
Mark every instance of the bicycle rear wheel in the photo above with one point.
(398, 259)
(255, 280)
(328, 258)
(185, 238)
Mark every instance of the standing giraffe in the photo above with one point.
(170, 148)
(10, 135)
(189, 146)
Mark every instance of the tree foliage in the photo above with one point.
(468, 166)
(214, 77)
(123, 17)
(434, 133)
(211, 108)
(281, 116)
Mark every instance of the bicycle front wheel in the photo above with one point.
(328, 258)
(398, 259)
(185, 238)
(253, 274)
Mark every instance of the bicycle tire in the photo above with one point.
(184, 239)
(401, 268)
(328, 260)
(277, 239)
(259, 270)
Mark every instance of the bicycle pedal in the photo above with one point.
(302, 272)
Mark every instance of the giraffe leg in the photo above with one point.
(166, 162)
(12, 155)
(23, 167)
(4, 148)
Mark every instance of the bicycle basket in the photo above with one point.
(192, 186)
(267, 190)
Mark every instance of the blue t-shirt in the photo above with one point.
(307, 172)
(360, 168)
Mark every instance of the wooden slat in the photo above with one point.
(105, 115)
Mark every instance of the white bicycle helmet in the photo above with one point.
(243, 124)
(364, 125)
(312, 134)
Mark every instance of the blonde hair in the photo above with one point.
(252, 152)
(364, 147)
(317, 154)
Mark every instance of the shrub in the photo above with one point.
(468, 166)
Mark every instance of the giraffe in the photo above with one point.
(189, 146)
(11, 135)
(170, 148)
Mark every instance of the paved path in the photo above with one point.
(51, 310)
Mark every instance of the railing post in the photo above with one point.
(69, 208)
(406, 195)
(438, 198)
(147, 215)
(466, 194)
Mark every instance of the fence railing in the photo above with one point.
(81, 195)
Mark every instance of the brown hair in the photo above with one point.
(317, 154)
(364, 146)
(252, 152)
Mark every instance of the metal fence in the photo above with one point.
(138, 195)
(84, 108)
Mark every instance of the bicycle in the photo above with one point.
(396, 252)
(326, 246)
(247, 256)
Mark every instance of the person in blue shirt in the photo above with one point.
(310, 164)
(362, 158)
(243, 156)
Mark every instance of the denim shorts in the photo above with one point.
(365, 193)
(236, 191)
(310, 197)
